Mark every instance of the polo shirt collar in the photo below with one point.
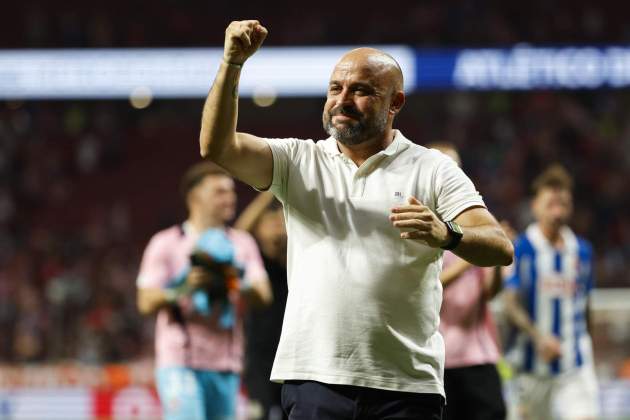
(397, 145)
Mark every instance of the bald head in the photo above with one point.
(377, 62)
(364, 95)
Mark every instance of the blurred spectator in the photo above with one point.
(471, 379)
(547, 300)
(184, 280)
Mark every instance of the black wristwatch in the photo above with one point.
(455, 234)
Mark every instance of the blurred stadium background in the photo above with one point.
(90, 155)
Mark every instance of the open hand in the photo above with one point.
(242, 40)
(417, 221)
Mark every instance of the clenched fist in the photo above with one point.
(417, 221)
(242, 40)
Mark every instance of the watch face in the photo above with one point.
(456, 227)
(455, 233)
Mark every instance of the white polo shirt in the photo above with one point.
(363, 304)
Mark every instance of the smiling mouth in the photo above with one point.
(344, 117)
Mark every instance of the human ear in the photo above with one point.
(397, 102)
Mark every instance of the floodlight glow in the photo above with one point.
(300, 71)
(141, 97)
(169, 73)
(264, 96)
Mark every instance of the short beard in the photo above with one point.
(358, 133)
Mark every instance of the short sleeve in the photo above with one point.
(154, 268)
(455, 191)
(251, 258)
(285, 154)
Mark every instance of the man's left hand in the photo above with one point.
(417, 221)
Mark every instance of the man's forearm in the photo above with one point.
(518, 316)
(220, 112)
(485, 246)
(151, 300)
(258, 294)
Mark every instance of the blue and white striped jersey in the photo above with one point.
(553, 286)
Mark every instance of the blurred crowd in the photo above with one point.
(35, 24)
(84, 185)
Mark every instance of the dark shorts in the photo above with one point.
(309, 400)
(473, 393)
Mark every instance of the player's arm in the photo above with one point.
(249, 217)
(245, 156)
(518, 316)
(547, 346)
(259, 293)
(151, 299)
(513, 308)
(452, 272)
(493, 282)
(154, 274)
(257, 289)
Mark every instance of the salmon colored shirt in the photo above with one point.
(200, 343)
(465, 320)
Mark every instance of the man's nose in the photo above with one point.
(344, 97)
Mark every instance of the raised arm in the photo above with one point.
(245, 156)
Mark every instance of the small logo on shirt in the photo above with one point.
(399, 198)
(558, 286)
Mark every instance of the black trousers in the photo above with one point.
(473, 393)
(309, 400)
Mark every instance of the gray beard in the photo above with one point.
(357, 133)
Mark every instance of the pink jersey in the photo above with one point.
(201, 343)
(465, 320)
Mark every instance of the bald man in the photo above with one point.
(368, 216)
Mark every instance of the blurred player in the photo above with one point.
(547, 299)
(198, 355)
(264, 219)
(471, 381)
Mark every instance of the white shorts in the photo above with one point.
(569, 396)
